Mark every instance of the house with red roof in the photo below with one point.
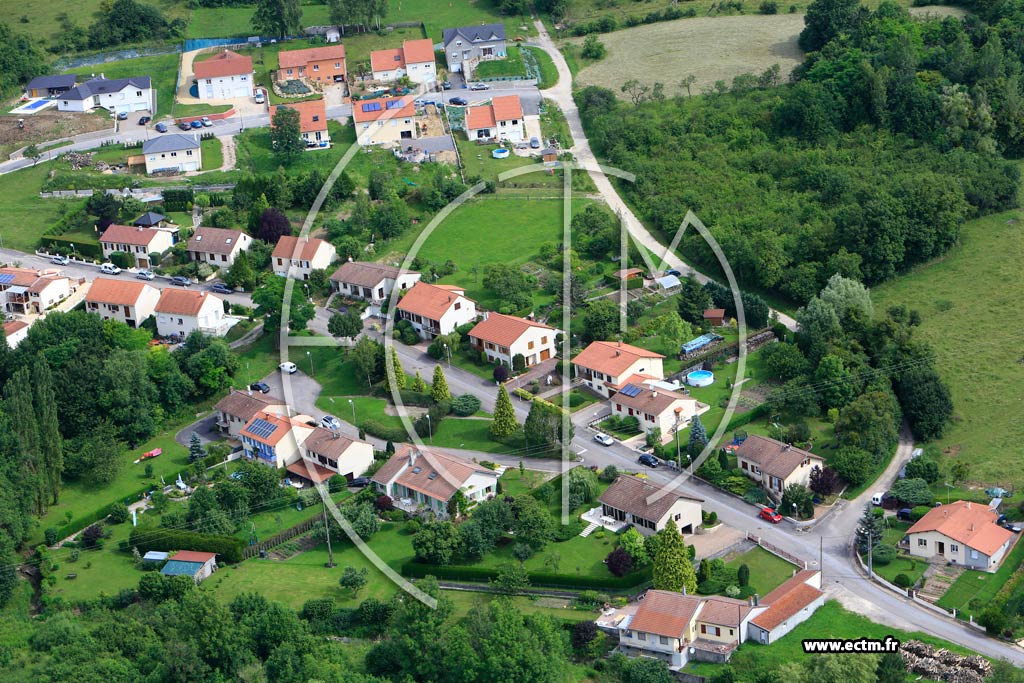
(962, 533)
(138, 242)
(607, 366)
(312, 122)
(15, 331)
(28, 290)
(128, 301)
(501, 119)
(501, 338)
(385, 121)
(226, 75)
(414, 59)
(321, 64)
(788, 606)
(421, 479)
(297, 257)
(436, 309)
(190, 563)
(179, 312)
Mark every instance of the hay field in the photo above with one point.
(710, 48)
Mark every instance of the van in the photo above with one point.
(876, 499)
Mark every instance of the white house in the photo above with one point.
(502, 119)
(297, 257)
(656, 408)
(788, 606)
(649, 507)
(173, 152)
(217, 246)
(312, 122)
(273, 439)
(436, 309)
(421, 479)
(385, 121)
(414, 59)
(235, 410)
(116, 95)
(776, 465)
(327, 453)
(15, 331)
(27, 290)
(503, 337)
(136, 241)
(465, 47)
(605, 366)
(227, 75)
(962, 533)
(179, 312)
(128, 301)
(373, 282)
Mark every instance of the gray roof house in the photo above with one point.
(103, 86)
(174, 152)
(47, 86)
(116, 95)
(467, 46)
(169, 143)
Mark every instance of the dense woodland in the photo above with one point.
(895, 131)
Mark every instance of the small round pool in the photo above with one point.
(500, 153)
(700, 378)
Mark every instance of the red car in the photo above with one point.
(770, 515)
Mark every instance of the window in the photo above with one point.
(458, 305)
(530, 345)
(642, 637)
(974, 554)
(244, 78)
(316, 67)
(138, 93)
(678, 516)
(663, 640)
(316, 117)
(174, 154)
(731, 632)
(188, 153)
(289, 72)
(922, 543)
(543, 340)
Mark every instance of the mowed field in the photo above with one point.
(709, 48)
(972, 305)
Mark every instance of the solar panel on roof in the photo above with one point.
(394, 104)
(261, 428)
(371, 106)
(6, 278)
(630, 390)
(416, 470)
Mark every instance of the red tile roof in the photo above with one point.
(192, 556)
(665, 613)
(723, 611)
(714, 313)
(386, 60)
(364, 110)
(307, 469)
(968, 523)
(431, 472)
(290, 59)
(226, 63)
(504, 108)
(129, 234)
(245, 404)
(283, 427)
(504, 330)
(418, 51)
(612, 358)
(429, 301)
(786, 600)
(304, 248)
(13, 326)
(106, 290)
(312, 115)
(481, 116)
(183, 301)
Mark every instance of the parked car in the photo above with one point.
(60, 260)
(145, 275)
(206, 121)
(260, 97)
(905, 514)
(330, 422)
(479, 86)
(261, 387)
(183, 125)
(289, 367)
(196, 124)
(221, 288)
(359, 482)
(876, 499)
(181, 281)
(110, 269)
(648, 460)
(770, 515)
(534, 143)
(143, 120)
(459, 101)
(122, 116)
(673, 271)
(161, 127)
(447, 85)
(603, 439)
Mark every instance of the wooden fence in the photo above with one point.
(278, 539)
(776, 550)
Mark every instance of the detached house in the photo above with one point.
(320, 64)
(274, 439)
(327, 453)
(15, 331)
(179, 312)
(776, 465)
(385, 121)
(297, 257)
(50, 86)
(116, 95)
(436, 309)
(373, 282)
(191, 563)
(467, 46)
(421, 479)
(138, 242)
(502, 119)
(962, 533)
(605, 367)
(414, 59)
(27, 290)
(503, 337)
(124, 300)
(788, 606)
(649, 507)
(656, 408)
(226, 75)
(235, 410)
(217, 246)
(173, 152)
(312, 122)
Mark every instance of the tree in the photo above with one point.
(285, 133)
(672, 568)
(644, 670)
(869, 530)
(367, 355)
(600, 320)
(418, 385)
(619, 562)
(693, 301)
(513, 287)
(959, 471)
(912, 492)
(674, 331)
(784, 361)
(593, 48)
(439, 386)
(531, 522)
(833, 382)
(51, 443)
(824, 481)
(398, 379)
(196, 452)
(436, 543)
(241, 273)
(277, 18)
(826, 19)
(797, 501)
(512, 579)
(273, 225)
(743, 575)
(583, 486)
(544, 426)
(633, 543)
(891, 668)
(994, 619)
(925, 400)
(636, 90)
(852, 464)
(504, 423)
(583, 633)
(32, 152)
(923, 467)
(353, 580)
(347, 325)
(698, 437)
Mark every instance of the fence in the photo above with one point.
(688, 678)
(204, 43)
(904, 592)
(116, 56)
(278, 539)
(776, 550)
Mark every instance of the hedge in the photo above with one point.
(228, 548)
(738, 421)
(382, 431)
(64, 244)
(481, 574)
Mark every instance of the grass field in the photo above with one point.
(162, 69)
(767, 571)
(255, 155)
(711, 49)
(511, 66)
(42, 16)
(981, 585)
(24, 215)
(548, 72)
(979, 281)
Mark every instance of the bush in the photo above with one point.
(902, 580)
(465, 405)
(50, 536)
(411, 527)
(383, 432)
(619, 562)
(609, 474)
(710, 587)
(228, 548)
(92, 536)
(415, 569)
(919, 512)
(883, 555)
(121, 259)
(769, 7)
(119, 513)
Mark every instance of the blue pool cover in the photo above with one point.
(700, 342)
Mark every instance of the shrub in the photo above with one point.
(119, 513)
(92, 535)
(609, 473)
(50, 535)
(710, 587)
(619, 562)
(228, 548)
(411, 527)
(919, 512)
(743, 575)
(384, 503)
(769, 7)
(902, 580)
(883, 555)
(465, 405)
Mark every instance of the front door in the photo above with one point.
(940, 547)
(545, 354)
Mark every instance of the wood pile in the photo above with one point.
(80, 160)
(939, 664)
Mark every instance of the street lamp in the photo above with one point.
(794, 511)
(948, 487)
(679, 459)
(353, 411)
(310, 357)
(448, 352)
(430, 431)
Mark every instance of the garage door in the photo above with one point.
(191, 166)
(545, 354)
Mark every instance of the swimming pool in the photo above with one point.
(32, 106)
(700, 378)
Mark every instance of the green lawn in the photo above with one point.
(42, 16)
(514, 483)
(477, 161)
(106, 570)
(510, 67)
(163, 69)
(913, 567)
(183, 110)
(980, 280)
(24, 215)
(981, 585)
(548, 72)
(213, 154)
(254, 154)
(554, 126)
(767, 571)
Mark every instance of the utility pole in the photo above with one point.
(871, 571)
(330, 553)
(821, 554)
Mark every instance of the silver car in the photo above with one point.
(145, 275)
(603, 439)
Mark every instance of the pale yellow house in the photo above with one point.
(656, 408)
(607, 366)
(962, 533)
(775, 464)
(503, 337)
(385, 121)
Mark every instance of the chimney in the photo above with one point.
(618, 343)
(350, 259)
(968, 505)
(684, 590)
(412, 457)
(757, 599)
(654, 393)
(972, 526)
(617, 352)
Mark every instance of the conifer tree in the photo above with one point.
(504, 423)
(672, 568)
(439, 386)
(418, 385)
(399, 379)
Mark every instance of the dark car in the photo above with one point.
(181, 281)
(359, 482)
(648, 460)
(184, 126)
(460, 101)
(673, 271)
(447, 85)
(906, 514)
(143, 120)
(161, 127)
(197, 124)
(261, 387)
(221, 288)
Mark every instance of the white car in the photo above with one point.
(260, 99)
(60, 260)
(330, 422)
(110, 269)
(603, 439)
(479, 86)
(289, 367)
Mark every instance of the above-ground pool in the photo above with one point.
(700, 378)
(500, 153)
